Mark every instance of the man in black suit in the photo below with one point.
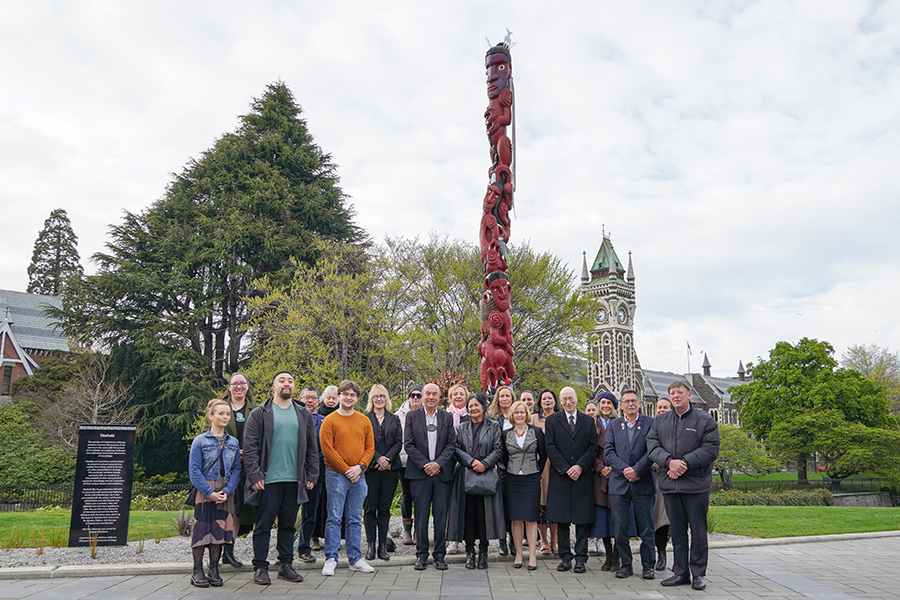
(631, 483)
(571, 440)
(430, 441)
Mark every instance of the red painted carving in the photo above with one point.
(496, 346)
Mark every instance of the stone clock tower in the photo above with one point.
(613, 364)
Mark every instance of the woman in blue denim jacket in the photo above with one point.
(215, 469)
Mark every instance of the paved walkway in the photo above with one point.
(835, 568)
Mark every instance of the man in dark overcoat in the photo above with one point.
(429, 439)
(631, 484)
(571, 440)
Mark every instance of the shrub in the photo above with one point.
(816, 497)
(170, 501)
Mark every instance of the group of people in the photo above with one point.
(479, 470)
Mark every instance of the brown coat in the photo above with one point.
(601, 483)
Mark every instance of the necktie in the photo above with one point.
(572, 423)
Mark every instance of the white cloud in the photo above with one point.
(745, 152)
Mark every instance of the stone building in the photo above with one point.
(27, 336)
(613, 364)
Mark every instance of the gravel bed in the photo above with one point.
(177, 550)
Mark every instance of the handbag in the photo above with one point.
(481, 484)
(191, 499)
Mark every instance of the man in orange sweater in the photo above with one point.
(348, 445)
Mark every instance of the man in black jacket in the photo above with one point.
(281, 458)
(684, 443)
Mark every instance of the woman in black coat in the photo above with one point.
(475, 516)
(524, 455)
(383, 473)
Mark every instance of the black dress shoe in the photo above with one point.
(288, 573)
(440, 564)
(470, 559)
(421, 564)
(661, 563)
(579, 567)
(676, 580)
(564, 565)
(624, 572)
(261, 576)
(699, 583)
(532, 568)
(517, 565)
(648, 574)
(307, 558)
(504, 549)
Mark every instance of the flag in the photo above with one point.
(689, 349)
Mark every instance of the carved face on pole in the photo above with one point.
(500, 290)
(499, 71)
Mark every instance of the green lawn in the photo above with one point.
(789, 521)
(24, 529)
(789, 476)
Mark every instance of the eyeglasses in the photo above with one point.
(238, 384)
(415, 395)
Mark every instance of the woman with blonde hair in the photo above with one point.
(524, 456)
(383, 472)
(458, 395)
(214, 466)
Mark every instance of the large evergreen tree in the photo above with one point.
(175, 279)
(55, 259)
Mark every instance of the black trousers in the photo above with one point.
(688, 510)
(382, 486)
(431, 496)
(406, 501)
(643, 517)
(276, 501)
(475, 526)
(581, 542)
(309, 517)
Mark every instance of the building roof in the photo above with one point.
(606, 256)
(656, 385)
(33, 329)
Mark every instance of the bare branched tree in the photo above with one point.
(91, 397)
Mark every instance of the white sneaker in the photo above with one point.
(328, 569)
(361, 566)
(452, 548)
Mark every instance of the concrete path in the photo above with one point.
(825, 568)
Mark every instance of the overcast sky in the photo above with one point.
(748, 154)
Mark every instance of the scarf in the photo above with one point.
(457, 413)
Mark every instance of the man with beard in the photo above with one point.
(281, 460)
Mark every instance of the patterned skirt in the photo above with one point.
(213, 523)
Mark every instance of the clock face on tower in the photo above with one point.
(621, 315)
(602, 315)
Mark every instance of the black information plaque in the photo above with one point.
(103, 477)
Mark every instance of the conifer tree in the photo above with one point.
(55, 258)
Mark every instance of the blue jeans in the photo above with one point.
(340, 493)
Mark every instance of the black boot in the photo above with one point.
(370, 551)
(229, 558)
(504, 549)
(608, 563)
(662, 539)
(198, 577)
(383, 553)
(482, 554)
(407, 532)
(383, 537)
(215, 553)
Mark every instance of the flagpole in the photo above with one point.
(689, 357)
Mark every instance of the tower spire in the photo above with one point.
(585, 276)
(630, 269)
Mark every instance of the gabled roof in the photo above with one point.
(656, 385)
(33, 329)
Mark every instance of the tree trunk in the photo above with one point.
(801, 471)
